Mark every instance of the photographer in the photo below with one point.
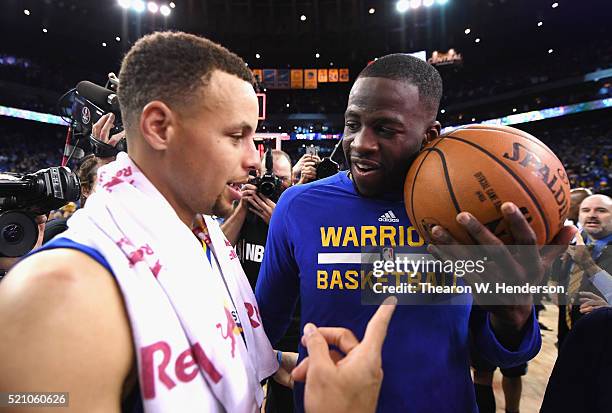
(242, 228)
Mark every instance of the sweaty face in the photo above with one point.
(596, 216)
(214, 150)
(385, 126)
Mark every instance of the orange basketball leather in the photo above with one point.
(476, 168)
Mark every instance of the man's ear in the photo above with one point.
(433, 131)
(155, 121)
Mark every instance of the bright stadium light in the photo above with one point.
(103, 44)
(555, 5)
(124, 3)
(372, 10)
(443, 111)
(45, 30)
(303, 18)
(118, 38)
(550, 51)
(257, 55)
(139, 5)
(477, 40)
(317, 55)
(467, 31)
(172, 5)
(402, 6)
(415, 4)
(540, 24)
(442, 1)
(428, 3)
(164, 10)
(153, 7)
(26, 12)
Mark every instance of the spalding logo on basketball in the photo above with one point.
(476, 168)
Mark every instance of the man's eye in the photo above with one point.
(386, 131)
(350, 125)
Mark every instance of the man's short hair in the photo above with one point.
(172, 67)
(410, 69)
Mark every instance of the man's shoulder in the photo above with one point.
(66, 308)
(326, 187)
(64, 275)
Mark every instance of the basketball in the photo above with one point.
(476, 169)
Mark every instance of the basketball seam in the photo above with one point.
(511, 172)
(447, 178)
(416, 174)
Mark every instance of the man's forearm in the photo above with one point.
(232, 225)
(508, 325)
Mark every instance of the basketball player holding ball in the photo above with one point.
(319, 228)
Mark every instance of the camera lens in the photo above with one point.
(12, 233)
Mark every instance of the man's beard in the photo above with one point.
(222, 207)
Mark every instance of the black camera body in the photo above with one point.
(90, 103)
(268, 184)
(23, 197)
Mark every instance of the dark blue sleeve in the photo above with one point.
(492, 350)
(277, 286)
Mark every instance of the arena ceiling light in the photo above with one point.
(257, 55)
(118, 38)
(172, 5)
(165, 10)
(372, 10)
(26, 12)
(303, 18)
(467, 31)
(477, 40)
(540, 24)
(152, 7)
(555, 5)
(45, 30)
(139, 6)
(124, 3)
(402, 6)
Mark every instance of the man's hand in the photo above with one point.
(258, 204)
(101, 131)
(590, 302)
(349, 384)
(581, 255)
(519, 266)
(306, 169)
(283, 375)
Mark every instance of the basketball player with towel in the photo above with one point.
(142, 303)
(391, 112)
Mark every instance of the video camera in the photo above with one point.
(23, 197)
(90, 103)
(268, 184)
